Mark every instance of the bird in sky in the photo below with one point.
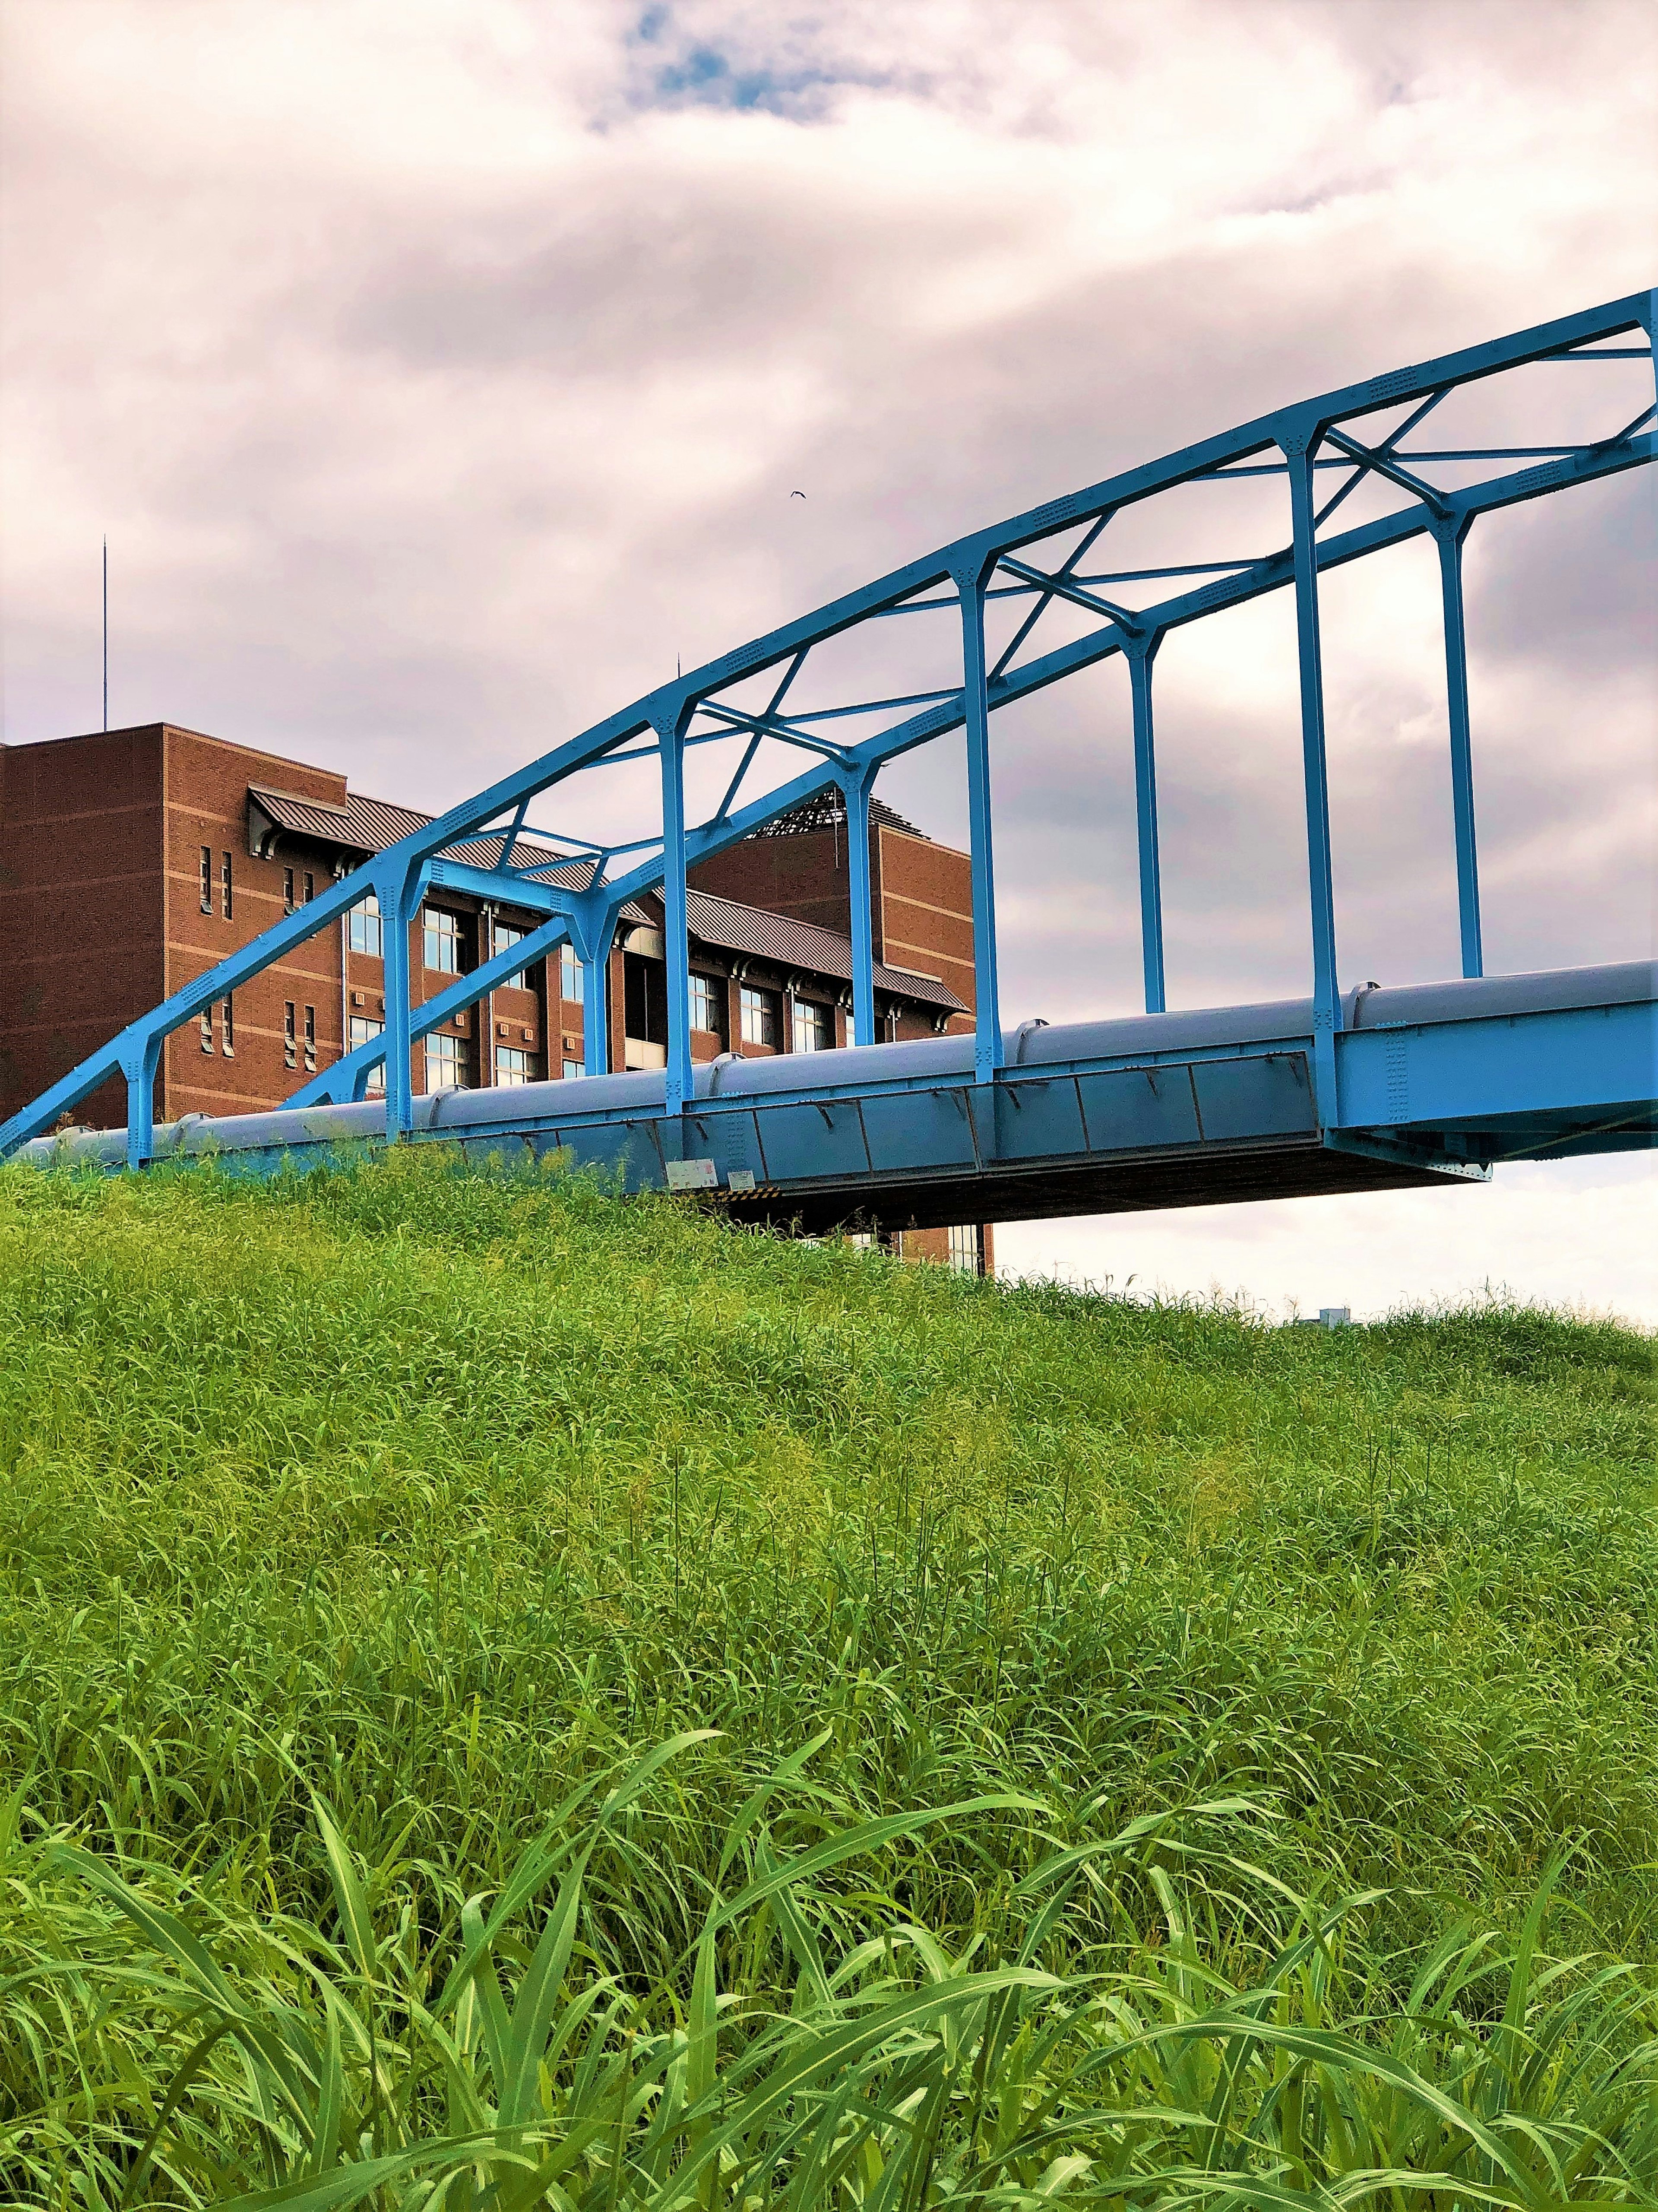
(797, 494)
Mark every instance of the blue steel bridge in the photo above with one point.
(1376, 1086)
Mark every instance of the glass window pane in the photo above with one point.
(513, 1065)
(570, 976)
(708, 1003)
(442, 941)
(760, 1010)
(813, 1026)
(368, 930)
(504, 935)
(362, 1028)
(447, 1067)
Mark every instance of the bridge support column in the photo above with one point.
(988, 1050)
(400, 894)
(1450, 532)
(1300, 445)
(139, 1065)
(670, 743)
(860, 905)
(1142, 651)
(594, 951)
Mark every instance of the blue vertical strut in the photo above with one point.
(1142, 651)
(1450, 533)
(139, 1063)
(400, 890)
(1299, 444)
(595, 952)
(987, 1020)
(860, 905)
(671, 740)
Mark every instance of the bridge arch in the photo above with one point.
(1005, 591)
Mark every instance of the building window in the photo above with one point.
(224, 884)
(227, 1027)
(310, 1040)
(362, 1030)
(967, 1249)
(569, 977)
(708, 1003)
(504, 936)
(573, 1068)
(366, 930)
(513, 1066)
(290, 1038)
(442, 933)
(207, 879)
(813, 1026)
(287, 890)
(446, 1063)
(761, 1016)
(207, 1029)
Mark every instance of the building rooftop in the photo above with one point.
(827, 810)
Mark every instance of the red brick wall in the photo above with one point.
(805, 876)
(81, 923)
(925, 907)
(921, 895)
(206, 799)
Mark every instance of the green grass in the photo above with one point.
(360, 1537)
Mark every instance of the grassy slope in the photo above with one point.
(441, 1494)
(456, 1486)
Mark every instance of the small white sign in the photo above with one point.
(692, 1175)
(741, 1181)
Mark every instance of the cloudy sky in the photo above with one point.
(441, 374)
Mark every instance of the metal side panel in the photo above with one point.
(1141, 1107)
(1566, 1062)
(730, 1140)
(802, 1142)
(1268, 1096)
(629, 1149)
(1029, 1121)
(910, 1129)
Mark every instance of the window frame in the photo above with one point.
(439, 925)
(709, 992)
(503, 935)
(366, 922)
(766, 1008)
(446, 1052)
(361, 1029)
(821, 1026)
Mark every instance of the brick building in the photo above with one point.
(131, 860)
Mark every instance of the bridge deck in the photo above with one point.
(1434, 1083)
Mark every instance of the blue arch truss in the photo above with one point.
(1000, 589)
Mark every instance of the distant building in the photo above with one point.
(132, 860)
